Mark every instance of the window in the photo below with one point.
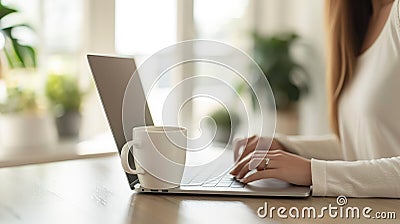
(141, 29)
(144, 27)
(222, 20)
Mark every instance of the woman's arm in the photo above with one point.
(326, 147)
(281, 152)
(364, 178)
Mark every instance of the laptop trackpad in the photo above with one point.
(270, 183)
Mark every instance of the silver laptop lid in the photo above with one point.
(112, 75)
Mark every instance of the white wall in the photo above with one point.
(306, 18)
(99, 37)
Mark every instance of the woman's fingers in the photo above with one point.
(253, 144)
(256, 162)
(249, 146)
(285, 166)
(245, 169)
(263, 174)
(273, 163)
(240, 165)
(257, 157)
(237, 144)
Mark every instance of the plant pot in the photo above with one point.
(69, 124)
(26, 130)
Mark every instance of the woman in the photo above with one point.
(362, 159)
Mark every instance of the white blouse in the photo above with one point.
(366, 161)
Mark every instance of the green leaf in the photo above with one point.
(9, 57)
(7, 31)
(18, 55)
(9, 28)
(27, 54)
(4, 10)
(18, 50)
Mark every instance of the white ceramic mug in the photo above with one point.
(159, 153)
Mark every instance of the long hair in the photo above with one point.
(346, 26)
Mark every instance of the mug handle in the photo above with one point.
(125, 154)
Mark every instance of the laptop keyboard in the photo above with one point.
(225, 181)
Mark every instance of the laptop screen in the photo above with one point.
(112, 75)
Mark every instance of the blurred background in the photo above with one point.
(47, 93)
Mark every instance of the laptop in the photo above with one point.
(112, 75)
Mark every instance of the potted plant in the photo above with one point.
(287, 78)
(65, 97)
(226, 124)
(22, 121)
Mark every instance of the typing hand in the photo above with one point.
(281, 164)
(254, 144)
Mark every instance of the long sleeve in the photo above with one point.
(363, 178)
(366, 162)
(325, 147)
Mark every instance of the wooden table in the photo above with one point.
(98, 146)
(96, 191)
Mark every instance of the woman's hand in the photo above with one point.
(254, 143)
(282, 165)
